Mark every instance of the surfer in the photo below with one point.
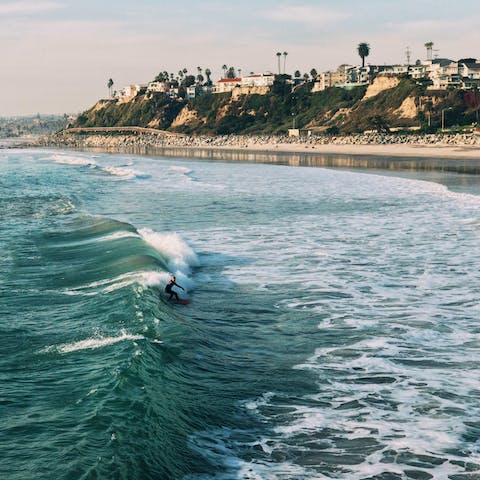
(170, 285)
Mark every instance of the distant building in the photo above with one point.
(159, 87)
(417, 71)
(130, 91)
(258, 80)
(470, 70)
(225, 85)
(443, 73)
(194, 91)
(208, 88)
(358, 76)
(331, 79)
(173, 92)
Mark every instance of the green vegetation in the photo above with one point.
(141, 111)
(274, 112)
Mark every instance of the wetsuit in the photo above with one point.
(168, 289)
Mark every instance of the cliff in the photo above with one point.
(389, 102)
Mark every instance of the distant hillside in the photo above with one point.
(14, 127)
(390, 102)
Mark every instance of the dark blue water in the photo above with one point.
(332, 331)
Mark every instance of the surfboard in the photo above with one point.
(183, 302)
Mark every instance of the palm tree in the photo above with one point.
(305, 77)
(224, 68)
(314, 74)
(363, 50)
(429, 47)
(297, 74)
(278, 58)
(208, 72)
(284, 60)
(110, 85)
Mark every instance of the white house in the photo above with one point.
(443, 73)
(470, 70)
(331, 79)
(258, 80)
(195, 90)
(159, 87)
(417, 71)
(130, 91)
(225, 85)
(356, 76)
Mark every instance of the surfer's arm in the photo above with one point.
(179, 286)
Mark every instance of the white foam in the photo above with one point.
(126, 173)
(147, 278)
(71, 160)
(183, 170)
(219, 447)
(93, 343)
(179, 256)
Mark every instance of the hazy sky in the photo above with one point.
(57, 55)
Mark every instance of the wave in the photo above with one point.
(72, 160)
(109, 255)
(179, 256)
(184, 170)
(118, 171)
(126, 173)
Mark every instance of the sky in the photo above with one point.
(56, 56)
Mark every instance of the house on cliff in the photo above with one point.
(129, 92)
(158, 87)
(258, 80)
(225, 85)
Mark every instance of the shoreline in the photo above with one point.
(455, 153)
(395, 150)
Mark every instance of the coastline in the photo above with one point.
(460, 152)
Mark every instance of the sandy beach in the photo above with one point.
(386, 150)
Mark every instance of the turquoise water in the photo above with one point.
(332, 331)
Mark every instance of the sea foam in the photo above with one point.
(179, 256)
(126, 173)
(72, 160)
(93, 343)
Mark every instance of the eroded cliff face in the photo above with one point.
(408, 109)
(381, 83)
(187, 116)
(237, 92)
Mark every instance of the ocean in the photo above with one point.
(332, 332)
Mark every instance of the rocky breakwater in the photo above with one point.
(148, 141)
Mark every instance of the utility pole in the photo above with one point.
(476, 103)
(443, 117)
